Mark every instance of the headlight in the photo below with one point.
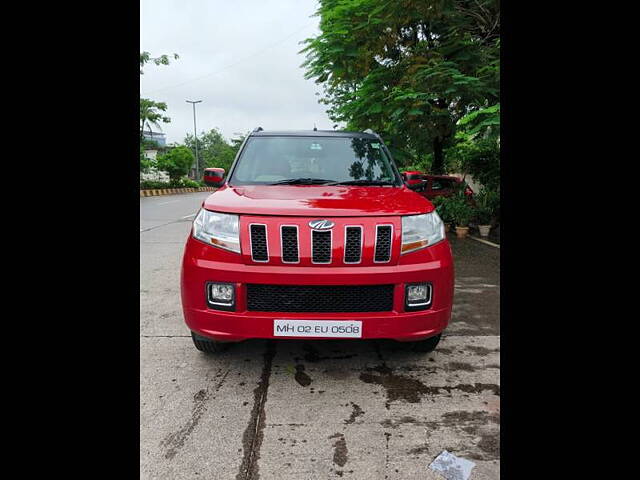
(217, 229)
(419, 231)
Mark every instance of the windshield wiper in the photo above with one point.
(302, 181)
(363, 182)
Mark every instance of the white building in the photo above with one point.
(152, 153)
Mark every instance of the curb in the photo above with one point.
(153, 192)
(486, 242)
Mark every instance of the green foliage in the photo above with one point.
(236, 143)
(459, 209)
(487, 206)
(176, 162)
(151, 113)
(442, 205)
(214, 150)
(422, 164)
(176, 183)
(145, 163)
(152, 184)
(407, 69)
(145, 57)
(479, 157)
(185, 183)
(477, 146)
(485, 120)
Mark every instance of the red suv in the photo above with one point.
(314, 235)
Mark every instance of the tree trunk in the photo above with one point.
(437, 168)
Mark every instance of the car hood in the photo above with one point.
(317, 200)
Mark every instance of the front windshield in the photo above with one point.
(277, 160)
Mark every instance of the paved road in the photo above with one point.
(312, 409)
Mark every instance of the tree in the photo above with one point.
(407, 69)
(151, 111)
(151, 114)
(213, 149)
(237, 142)
(477, 146)
(145, 57)
(176, 162)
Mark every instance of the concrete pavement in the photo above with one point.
(312, 409)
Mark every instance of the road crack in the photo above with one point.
(254, 433)
(176, 440)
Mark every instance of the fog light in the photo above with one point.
(220, 295)
(418, 296)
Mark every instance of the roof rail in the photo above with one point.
(257, 129)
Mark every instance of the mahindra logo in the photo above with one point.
(321, 224)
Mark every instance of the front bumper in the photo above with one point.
(202, 264)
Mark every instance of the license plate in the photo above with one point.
(317, 328)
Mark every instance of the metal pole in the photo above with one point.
(195, 134)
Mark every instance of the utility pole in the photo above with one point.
(195, 134)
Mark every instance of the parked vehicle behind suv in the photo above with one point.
(433, 186)
(413, 177)
(314, 235)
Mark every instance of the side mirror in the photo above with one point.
(214, 177)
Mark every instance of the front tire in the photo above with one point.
(427, 345)
(207, 345)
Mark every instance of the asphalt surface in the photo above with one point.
(312, 409)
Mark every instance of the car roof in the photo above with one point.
(312, 133)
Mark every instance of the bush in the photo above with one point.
(178, 183)
(183, 183)
(483, 216)
(488, 206)
(460, 210)
(151, 184)
(176, 162)
(442, 205)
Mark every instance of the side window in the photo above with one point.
(442, 184)
(436, 184)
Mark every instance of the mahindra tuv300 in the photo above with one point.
(314, 235)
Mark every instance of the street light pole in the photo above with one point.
(195, 134)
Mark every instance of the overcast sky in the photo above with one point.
(239, 57)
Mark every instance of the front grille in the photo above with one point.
(292, 241)
(353, 245)
(319, 298)
(321, 247)
(289, 235)
(383, 243)
(259, 252)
